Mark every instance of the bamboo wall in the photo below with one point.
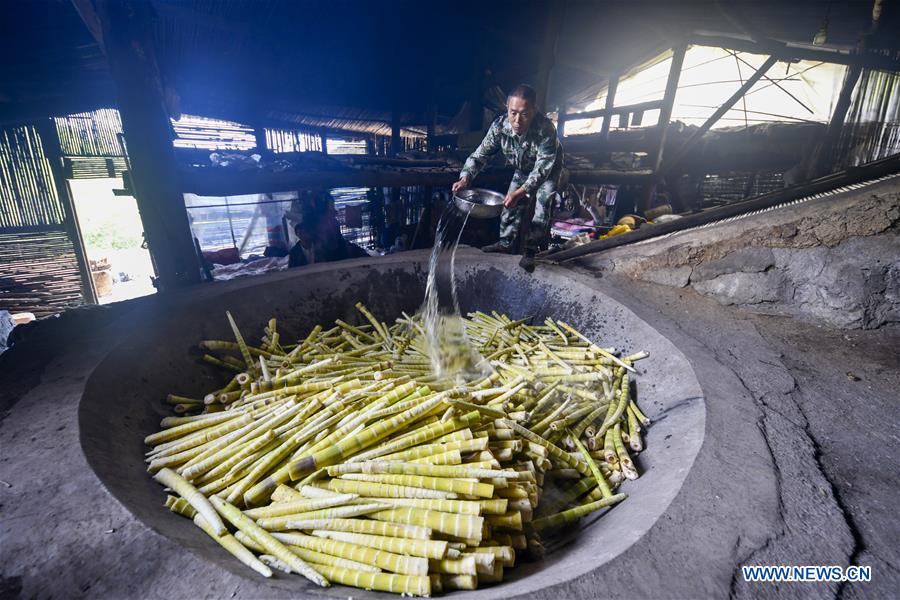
(38, 273)
(38, 269)
(27, 196)
(90, 134)
(293, 140)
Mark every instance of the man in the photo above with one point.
(320, 240)
(528, 141)
(303, 253)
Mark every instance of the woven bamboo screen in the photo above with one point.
(38, 269)
(27, 196)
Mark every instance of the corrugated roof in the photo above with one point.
(240, 60)
(346, 119)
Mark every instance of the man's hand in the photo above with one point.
(513, 198)
(460, 185)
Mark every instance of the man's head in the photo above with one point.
(521, 108)
(306, 231)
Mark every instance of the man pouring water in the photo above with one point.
(528, 141)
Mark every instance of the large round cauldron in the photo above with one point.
(123, 400)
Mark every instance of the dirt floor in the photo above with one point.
(799, 466)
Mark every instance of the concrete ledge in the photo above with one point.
(833, 260)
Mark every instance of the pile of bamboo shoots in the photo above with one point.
(343, 459)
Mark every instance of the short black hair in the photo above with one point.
(307, 226)
(525, 92)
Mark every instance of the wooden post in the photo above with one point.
(665, 113)
(50, 141)
(662, 125)
(260, 134)
(555, 13)
(476, 97)
(425, 213)
(561, 121)
(323, 136)
(822, 162)
(128, 39)
(396, 140)
(430, 127)
(610, 103)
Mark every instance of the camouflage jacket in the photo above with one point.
(538, 153)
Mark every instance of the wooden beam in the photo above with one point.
(742, 23)
(128, 37)
(611, 89)
(529, 49)
(85, 10)
(689, 144)
(53, 151)
(357, 159)
(614, 110)
(786, 52)
(665, 112)
(221, 182)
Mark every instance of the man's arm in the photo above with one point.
(478, 159)
(543, 164)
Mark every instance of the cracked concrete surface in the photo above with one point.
(828, 413)
(799, 466)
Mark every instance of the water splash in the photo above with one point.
(450, 351)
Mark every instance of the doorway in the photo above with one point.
(113, 238)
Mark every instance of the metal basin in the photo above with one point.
(479, 203)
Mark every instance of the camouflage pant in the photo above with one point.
(542, 203)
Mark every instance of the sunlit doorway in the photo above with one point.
(112, 234)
